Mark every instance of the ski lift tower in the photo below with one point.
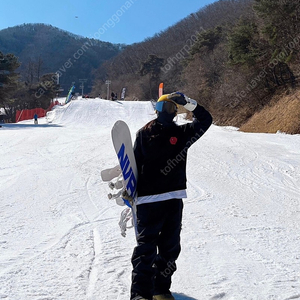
(59, 90)
(107, 82)
(82, 81)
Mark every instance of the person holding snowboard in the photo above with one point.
(161, 153)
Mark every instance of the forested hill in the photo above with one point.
(238, 58)
(45, 49)
(233, 56)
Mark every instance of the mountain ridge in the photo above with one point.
(48, 49)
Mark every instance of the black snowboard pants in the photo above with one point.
(153, 259)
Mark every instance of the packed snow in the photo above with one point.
(59, 234)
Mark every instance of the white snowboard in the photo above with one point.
(122, 142)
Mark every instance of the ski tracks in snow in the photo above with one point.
(60, 238)
(110, 267)
(240, 221)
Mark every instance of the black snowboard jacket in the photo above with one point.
(161, 153)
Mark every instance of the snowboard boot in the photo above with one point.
(139, 298)
(163, 297)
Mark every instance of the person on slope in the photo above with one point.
(161, 153)
(35, 117)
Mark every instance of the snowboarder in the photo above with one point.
(35, 117)
(161, 152)
(112, 96)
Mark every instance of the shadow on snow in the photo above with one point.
(182, 297)
(185, 297)
(16, 126)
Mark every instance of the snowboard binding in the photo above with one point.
(116, 183)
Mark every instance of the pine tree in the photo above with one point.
(281, 20)
(243, 43)
(152, 66)
(208, 39)
(8, 78)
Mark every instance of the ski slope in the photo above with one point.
(59, 234)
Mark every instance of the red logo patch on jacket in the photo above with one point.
(173, 140)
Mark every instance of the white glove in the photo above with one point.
(191, 104)
(183, 100)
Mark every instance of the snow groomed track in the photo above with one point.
(59, 235)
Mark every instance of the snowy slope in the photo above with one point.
(59, 235)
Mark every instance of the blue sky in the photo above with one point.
(116, 21)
